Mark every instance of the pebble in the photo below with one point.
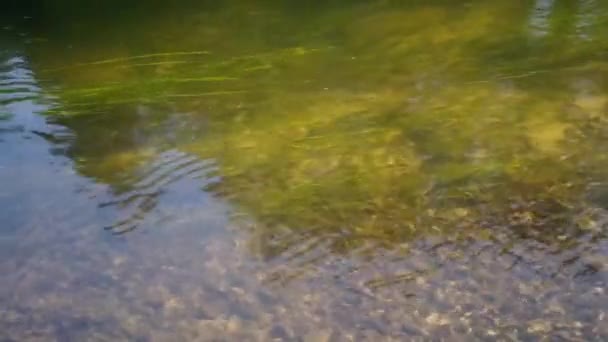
(437, 319)
(233, 325)
(318, 336)
(539, 326)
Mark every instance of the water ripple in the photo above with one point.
(146, 187)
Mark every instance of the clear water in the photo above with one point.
(352, 170)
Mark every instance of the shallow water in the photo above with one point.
(267, 170)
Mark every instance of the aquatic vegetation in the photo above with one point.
(290, 170)
(384, 128)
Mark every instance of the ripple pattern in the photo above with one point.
(149, 183)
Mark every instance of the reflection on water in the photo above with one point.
(539, 21)
(314, 172)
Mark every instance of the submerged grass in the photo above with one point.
(425, 163)
(408, 121)
(129, 58)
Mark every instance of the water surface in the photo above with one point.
(266, 170)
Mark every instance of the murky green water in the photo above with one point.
(352, 170)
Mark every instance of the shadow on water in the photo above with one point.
(428, 152)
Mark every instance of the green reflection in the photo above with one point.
(360, 123)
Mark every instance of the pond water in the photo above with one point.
(298, 171)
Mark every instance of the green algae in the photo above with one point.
(397, 170)
(406, 121)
